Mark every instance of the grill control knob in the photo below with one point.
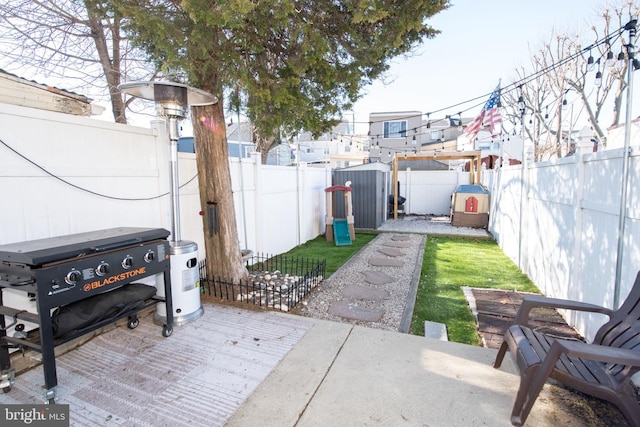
(149, 256)
(73, 277)
(127, 262)
(102, 269)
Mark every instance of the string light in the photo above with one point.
(621, 59)
(590, 62)
(607, 60)
(598, 80)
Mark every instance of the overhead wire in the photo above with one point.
(513, 86)
(608, 39)
(86, 190)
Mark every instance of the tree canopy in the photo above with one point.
(291, 65)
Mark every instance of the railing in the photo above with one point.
(276, 282)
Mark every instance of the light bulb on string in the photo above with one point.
(621, 59)
(609, 60)
(590, 62)
(598, 80)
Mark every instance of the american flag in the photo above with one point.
(489, 116)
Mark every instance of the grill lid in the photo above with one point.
(51, 249)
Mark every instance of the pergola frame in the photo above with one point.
(473, 156)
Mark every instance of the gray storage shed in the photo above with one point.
(370, 189)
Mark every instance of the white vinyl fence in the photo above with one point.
(564, 233)
(62, 174)
(429, 192)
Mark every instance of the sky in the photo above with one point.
(481, 42)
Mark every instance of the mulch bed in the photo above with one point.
(497, 310)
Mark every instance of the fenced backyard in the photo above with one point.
(559, 220)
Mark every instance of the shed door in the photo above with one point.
(471, 204)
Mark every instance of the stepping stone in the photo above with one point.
(400, 237)
(391, 251)
(351, 310)
(385, 262)
(397, 244)
(376, 277)
(435, 330)
(364, 293)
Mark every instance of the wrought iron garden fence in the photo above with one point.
(277, 282)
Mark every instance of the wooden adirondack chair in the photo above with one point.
(602, 369)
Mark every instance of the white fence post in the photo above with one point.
(582, 148)
(300, 181)
(524, 208)
(257, 164)
(407, 187)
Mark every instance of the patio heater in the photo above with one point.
(172, 101)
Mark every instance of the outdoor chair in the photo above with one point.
(602, 369)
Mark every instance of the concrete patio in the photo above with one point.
(247, 368)
(238, 367)
(346, 375)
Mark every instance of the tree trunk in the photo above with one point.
(216, 198)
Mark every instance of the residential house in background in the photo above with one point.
(240, 139)
(406, 132)
(339, 148)
(16, 90)
(492, 148)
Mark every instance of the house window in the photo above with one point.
(435, 134)
(396, 129)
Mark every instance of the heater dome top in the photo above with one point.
(168, 92)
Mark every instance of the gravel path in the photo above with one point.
(430, 224)
(335, 299)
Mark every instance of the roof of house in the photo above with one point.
(422, 165)
(398, 114)
(15, 90)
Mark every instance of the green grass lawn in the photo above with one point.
(450, 263)
(319, 248)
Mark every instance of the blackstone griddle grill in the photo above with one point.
(62, 270)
